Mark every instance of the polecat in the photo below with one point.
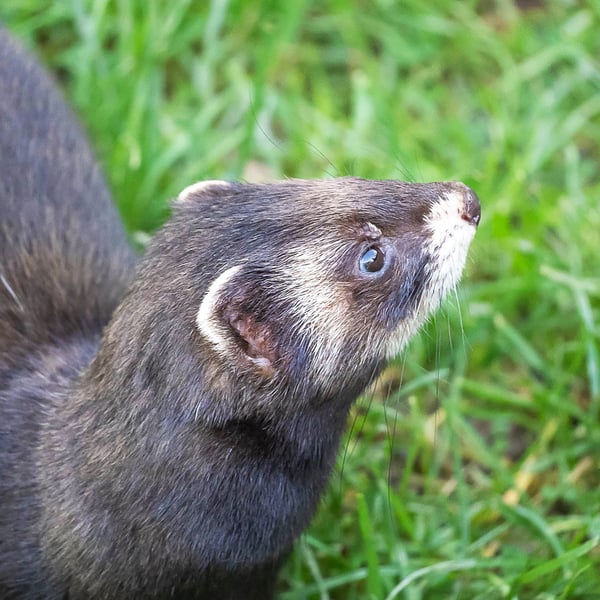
(173, 440)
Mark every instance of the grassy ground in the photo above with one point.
(479, 477)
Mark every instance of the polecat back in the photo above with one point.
(64, 258)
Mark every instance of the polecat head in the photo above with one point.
(317, 283)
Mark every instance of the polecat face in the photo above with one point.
(325, 279)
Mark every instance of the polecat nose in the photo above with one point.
(472, 209)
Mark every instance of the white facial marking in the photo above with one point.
(206, 320)
(450, 237)
(449, 243)
(372, 230)
(201, 186)
(320, 307)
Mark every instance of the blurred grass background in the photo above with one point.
(478, 477)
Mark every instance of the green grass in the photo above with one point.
(479, 477)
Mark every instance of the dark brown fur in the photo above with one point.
(145, 458)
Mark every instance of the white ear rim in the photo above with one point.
(200, 187)
(207, 320)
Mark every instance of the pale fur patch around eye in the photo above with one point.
(319, 305)
(372, 231)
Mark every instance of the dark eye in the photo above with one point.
(372, 260)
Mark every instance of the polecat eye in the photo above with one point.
(372, 260)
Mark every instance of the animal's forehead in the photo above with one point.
(335, 201)
(269, 216)
(344, 193)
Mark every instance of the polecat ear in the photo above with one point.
(210, 187)
(225, 319)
